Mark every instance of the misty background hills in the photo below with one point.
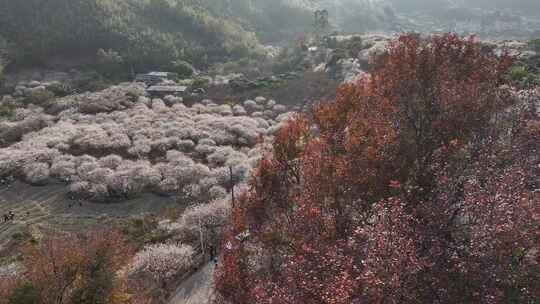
(206, 31)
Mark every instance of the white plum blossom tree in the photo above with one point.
(162, 262)
(37, 173)
(119, 143)
(203, 223)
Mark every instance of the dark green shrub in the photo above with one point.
(183, 69)
(6, 111)
(91, 82)
(354, 46)
(522, 77)
(275, 20)
(290, 59)
(518, 73)
(200, 83)
(24, 294)
(4, 56)
(111, 64)
(2, 66)
(534, 45)
(151, 49)
(39, 97)
(59, 89)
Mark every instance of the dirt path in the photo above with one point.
(197, 289)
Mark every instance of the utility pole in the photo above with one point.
(232, 185)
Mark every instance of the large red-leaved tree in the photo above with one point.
(418, 184)
(72, 269)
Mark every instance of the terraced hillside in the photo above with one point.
(48, 207)
(154, 153)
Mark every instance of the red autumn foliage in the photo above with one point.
(416, 185)
(74, 269)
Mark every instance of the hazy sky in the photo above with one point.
(516, 5)
(529, 6)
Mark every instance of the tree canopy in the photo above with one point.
(416, 185)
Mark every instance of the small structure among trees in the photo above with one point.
(155, 78)
(162, 91)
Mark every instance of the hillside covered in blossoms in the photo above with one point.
(269, 152)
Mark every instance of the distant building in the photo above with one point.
(162, 91)
(155, 78)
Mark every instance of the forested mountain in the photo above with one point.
(145, 32)
(156, 32)
(271, 20)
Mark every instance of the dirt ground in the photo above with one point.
(48, 208)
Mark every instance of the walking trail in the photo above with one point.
(197, 289)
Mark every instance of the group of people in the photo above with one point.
(10, 216)
(73, 201)
(7, 181)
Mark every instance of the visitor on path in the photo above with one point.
(6, 217)
(11, 216)
(213, 254)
